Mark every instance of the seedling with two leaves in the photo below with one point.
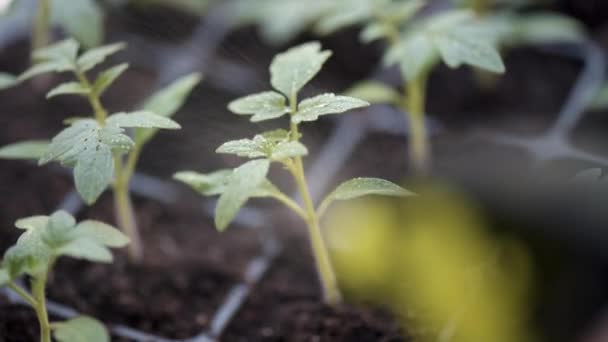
(98, 148)
(290, 72)
(43, 241)
(417, 45)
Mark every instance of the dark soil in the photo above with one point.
(26, 191)
(287, 306)
(18, 323)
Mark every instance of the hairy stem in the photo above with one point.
(331, 291)
(123, 207)
(414, 102)
(42, 25)
(38, 291)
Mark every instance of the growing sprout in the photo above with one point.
(98, 147)
(290, 72)
(43, 241)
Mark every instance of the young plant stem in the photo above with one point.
(38, 292)
(331, 292)
(42, 25)
(414, 103)
(123, 207)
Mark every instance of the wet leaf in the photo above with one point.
(143, 119)
(263, 106)
(88, 147)
(167, 102)
(310, 109)
(82, 19)
(274, 145)
(360, 187)
(294, 68)
(69, 88)
(92, 57)
(242, 184)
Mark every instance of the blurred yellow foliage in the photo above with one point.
(433, 262)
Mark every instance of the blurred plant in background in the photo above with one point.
(432, 261)
(82, 19)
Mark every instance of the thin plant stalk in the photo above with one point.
(42, 25)
(331, 291)
(37, 300)
(414, 104)
(38, 291)
(125, 215)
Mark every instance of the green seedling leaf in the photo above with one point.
(106, 78)
(64, 51)
(93, 173)
(28, 150)
(374, 31)
(170, 99)
(215, 183)
(360, 187)
(101, 233)
(263, 106)
(7, 80)
(293, 69)
(30, 255)
(275, 145)
(80, 329)
(415, 54)
(210, 184)
(81, 19)
(86, 249)
(48, 237)
(547, 27)
(59, 57)
(280, 21)
(58, 229)
(167, 102)
(91, 58)
(398, 12)
(458, 48)
(242, 184)
(32, 222)
(374, 92)
(344, 14)
(70, 88)
(88, 147)
(310, 109)
(142, 119)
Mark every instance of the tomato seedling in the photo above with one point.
(290, 72)
(417, 45)
(43, 241)
(97, 147)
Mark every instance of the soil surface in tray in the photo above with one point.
(18, 323)
(187, 270)
(286, 306)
